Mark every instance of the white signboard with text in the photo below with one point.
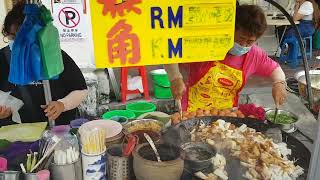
(73, 21)
(69, 18)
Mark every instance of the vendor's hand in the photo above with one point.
(178, 88)
(53, 109)
(5, 112)
(279, 93)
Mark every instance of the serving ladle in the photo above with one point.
(153, 146)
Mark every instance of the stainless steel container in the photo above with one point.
(118, 165)
(30, 176)
(315, 84)
(195, 150)
(67, 172)
(10, 175)
(290, 127)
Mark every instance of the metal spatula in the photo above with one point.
(275, 115)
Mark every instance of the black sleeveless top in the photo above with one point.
(33, 94)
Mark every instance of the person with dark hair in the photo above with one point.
(217, 84)
(68, 91)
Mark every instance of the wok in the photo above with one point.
(315, 84)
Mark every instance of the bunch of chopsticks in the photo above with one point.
(32, 159)
(93, 141)
(39, 161)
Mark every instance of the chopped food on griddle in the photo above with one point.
(258, 155)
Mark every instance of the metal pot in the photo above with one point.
(194, 151)
(146, 166)
(290, 127)
(315, 84)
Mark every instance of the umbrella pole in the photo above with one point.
(48, 97)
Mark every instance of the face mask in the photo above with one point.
(238, 50)
(11, 44)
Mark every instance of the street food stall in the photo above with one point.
(142, 140)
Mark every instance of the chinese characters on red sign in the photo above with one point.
(113, 7)
(123, 45)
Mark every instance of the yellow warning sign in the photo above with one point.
(150, 32)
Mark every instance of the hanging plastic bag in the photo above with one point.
(26, 65)
(50, 46)
(13, 103)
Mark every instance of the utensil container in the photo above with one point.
(66, 172)
(94, 166)
(10, 175)
(118, 165)
(30, 176)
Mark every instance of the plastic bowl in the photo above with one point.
(78, 122)
(112, 128)
(116, 113)
(120, 119)
(60, 130)
(140, 108)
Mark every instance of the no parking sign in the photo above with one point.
(69, 19)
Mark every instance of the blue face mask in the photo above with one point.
(11, 44)
(238, 50)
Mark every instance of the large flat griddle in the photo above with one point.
(299, 152)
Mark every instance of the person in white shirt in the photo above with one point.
(308, 14)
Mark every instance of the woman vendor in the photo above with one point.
(68, 91)
(217, 84)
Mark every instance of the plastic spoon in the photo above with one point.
(150, 141)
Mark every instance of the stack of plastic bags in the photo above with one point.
(36, 53)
